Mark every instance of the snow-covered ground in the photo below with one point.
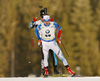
(51, 79)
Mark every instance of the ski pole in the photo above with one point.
(31, 51)
(32, 46)
(35, 19)
(65, 50)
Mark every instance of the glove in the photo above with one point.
(35, 19)
(59, 41)
(39, 42)
(51, 19)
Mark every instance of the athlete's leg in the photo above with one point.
(45, 50)
(54, 62)
(42, 61)
(46, 55)
(54, 58)
(57, 50)
(42, 64)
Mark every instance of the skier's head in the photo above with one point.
(46, 19)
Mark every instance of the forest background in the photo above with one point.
(80, 23)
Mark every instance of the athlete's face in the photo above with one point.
(46, 22)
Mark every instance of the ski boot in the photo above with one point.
(46, 74)
(56, 71)
(70, 71)
(42, 72)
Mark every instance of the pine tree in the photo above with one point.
(97, 26)
(3, 40)
(84, 35)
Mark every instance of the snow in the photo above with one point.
(51, 79)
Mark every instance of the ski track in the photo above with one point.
(51, 79)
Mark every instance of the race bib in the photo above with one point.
(47, 32)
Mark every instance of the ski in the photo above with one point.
(57, 75)
(62, 75)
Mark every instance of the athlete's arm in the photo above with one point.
(59, 30)
(33, 23)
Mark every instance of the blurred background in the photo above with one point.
(80, 23)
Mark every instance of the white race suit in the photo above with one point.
(46, 33)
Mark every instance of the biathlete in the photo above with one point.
(33, 24)
(45, 33)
